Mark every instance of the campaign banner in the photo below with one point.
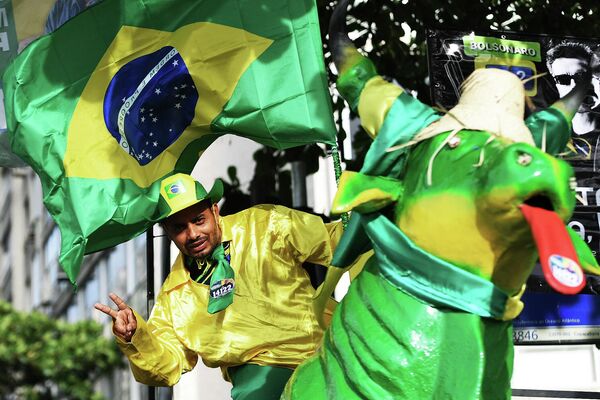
(549, 67)
(550, 318)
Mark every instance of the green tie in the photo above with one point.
(221, 282)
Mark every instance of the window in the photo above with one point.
(117, 271)
(36, 279)
(91, 293)
(51, 251)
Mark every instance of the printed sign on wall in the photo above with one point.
(549, 67)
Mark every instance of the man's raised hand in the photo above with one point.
(124, 322)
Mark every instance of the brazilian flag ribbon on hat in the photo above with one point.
(222, 282)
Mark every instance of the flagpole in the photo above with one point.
(150, 287)
(337, 167)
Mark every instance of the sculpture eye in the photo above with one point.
(524, 159)
(454, 142)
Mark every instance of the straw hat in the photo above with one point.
(492, 100)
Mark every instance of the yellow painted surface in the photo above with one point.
(495, 246)
(446, 226)
(375, 101)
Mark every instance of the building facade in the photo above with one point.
(32, 280)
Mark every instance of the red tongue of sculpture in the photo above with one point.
(557, 254)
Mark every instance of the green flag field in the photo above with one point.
(131, 91)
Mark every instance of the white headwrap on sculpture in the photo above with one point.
(492, 100)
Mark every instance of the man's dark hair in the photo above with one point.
(580, 51)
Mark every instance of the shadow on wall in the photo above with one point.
(272, 185)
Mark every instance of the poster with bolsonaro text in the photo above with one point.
(549, 66)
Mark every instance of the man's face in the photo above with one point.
(195, 230)
(567, 72)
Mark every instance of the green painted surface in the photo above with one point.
(384, 344)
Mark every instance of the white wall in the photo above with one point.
(226, 151)
(560, 367)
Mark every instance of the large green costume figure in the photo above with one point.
(452, 206)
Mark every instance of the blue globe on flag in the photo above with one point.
(149, 103)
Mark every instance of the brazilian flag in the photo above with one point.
(131, 91)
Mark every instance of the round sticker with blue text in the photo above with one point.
(565, 270)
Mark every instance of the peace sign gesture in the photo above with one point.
(124, 322)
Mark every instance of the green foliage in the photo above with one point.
(43, 359)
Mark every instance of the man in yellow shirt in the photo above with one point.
(237, 295)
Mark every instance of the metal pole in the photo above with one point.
(298, 184)
(150, 287)
(165, 393)
(166, 257)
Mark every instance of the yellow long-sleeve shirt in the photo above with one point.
(271, 320)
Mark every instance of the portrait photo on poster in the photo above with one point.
(549, 66)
